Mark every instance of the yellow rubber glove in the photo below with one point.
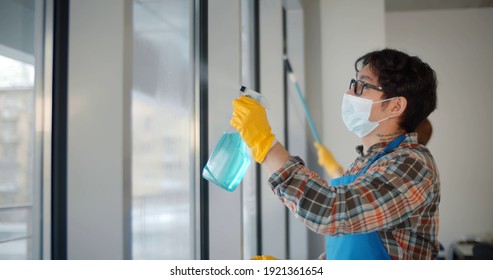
(250, 119)
(327, 161)
(263, 258)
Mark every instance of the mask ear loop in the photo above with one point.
(385, 100)
(384, 119)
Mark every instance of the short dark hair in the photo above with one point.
(408, 76)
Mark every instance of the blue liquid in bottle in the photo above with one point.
(228, 162)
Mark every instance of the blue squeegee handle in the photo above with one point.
(302, 100)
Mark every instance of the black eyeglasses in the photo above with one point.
(358, 86)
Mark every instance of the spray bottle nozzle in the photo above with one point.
(254, 95)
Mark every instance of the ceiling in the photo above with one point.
(415, 5)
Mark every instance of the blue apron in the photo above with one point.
(363, 246)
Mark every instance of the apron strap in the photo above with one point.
(391, 146)
(348, 179)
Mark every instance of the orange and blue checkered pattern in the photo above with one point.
(398, 197)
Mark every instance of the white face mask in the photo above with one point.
(356, 113)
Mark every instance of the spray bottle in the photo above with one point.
(230, 158)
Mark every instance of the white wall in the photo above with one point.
(224, 85)
(349, 30)
(458, 44)
(98, 182)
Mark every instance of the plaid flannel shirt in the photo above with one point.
(398, 197)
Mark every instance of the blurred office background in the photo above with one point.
(109, 110)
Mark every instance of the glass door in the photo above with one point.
(21, 34)
(163, 112)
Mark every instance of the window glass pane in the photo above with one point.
(15, 232)
(14, 250)
(17, 128)
(162, 120)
